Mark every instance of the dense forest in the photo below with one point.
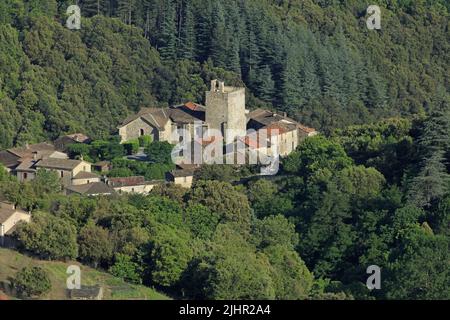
(373, 189)
(314, 59)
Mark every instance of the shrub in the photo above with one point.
(131, 147)
(32, 282)
(145, 141)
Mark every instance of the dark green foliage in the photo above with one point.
(225, 200)
(291, 278)
(145, 141)
(94, 244)
(372, 193)
(49, 237)
(419, 267)
(201, 221)
(126, 269)
(316, 154)
(46, 182)
(131, 147)
(159, 152)
(32, 282)
(151, 171)
(169, 256)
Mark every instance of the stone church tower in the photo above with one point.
(225, 110)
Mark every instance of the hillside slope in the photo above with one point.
(12, 261)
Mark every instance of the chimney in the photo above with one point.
(35, 155)
(27, 146)
(213, 85)
(285, 114)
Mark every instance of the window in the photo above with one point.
(25, 176)
(142, 132)
(62, 174)
(88, 182)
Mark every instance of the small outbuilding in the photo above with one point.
(87, 293)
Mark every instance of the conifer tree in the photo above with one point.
(266, 85)
(167, 40)
(187, 37)
(93, 7)
(218, 35)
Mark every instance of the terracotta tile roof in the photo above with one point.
(194, 106)
(275, 129)
(306, 129)
(126, 181)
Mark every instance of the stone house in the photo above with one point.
(12, 158)
(63, 142)
(67, 169)
(10, 216)
(136, 184)
(181, 177)
(84, 177)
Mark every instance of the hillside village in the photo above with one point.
(121, 154)
(225, 109)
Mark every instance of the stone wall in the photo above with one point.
(133, 130)
(225, 110)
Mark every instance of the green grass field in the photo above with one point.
(114, 288)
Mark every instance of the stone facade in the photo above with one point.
(137, 128)
(225, 113)
(225, 110)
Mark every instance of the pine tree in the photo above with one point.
(233, 59)
(93, 7)
(125, 10)
(187, 36)
(433, 180)
(292, 94)
(218, 36)
(167, 41)
(266, 85)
